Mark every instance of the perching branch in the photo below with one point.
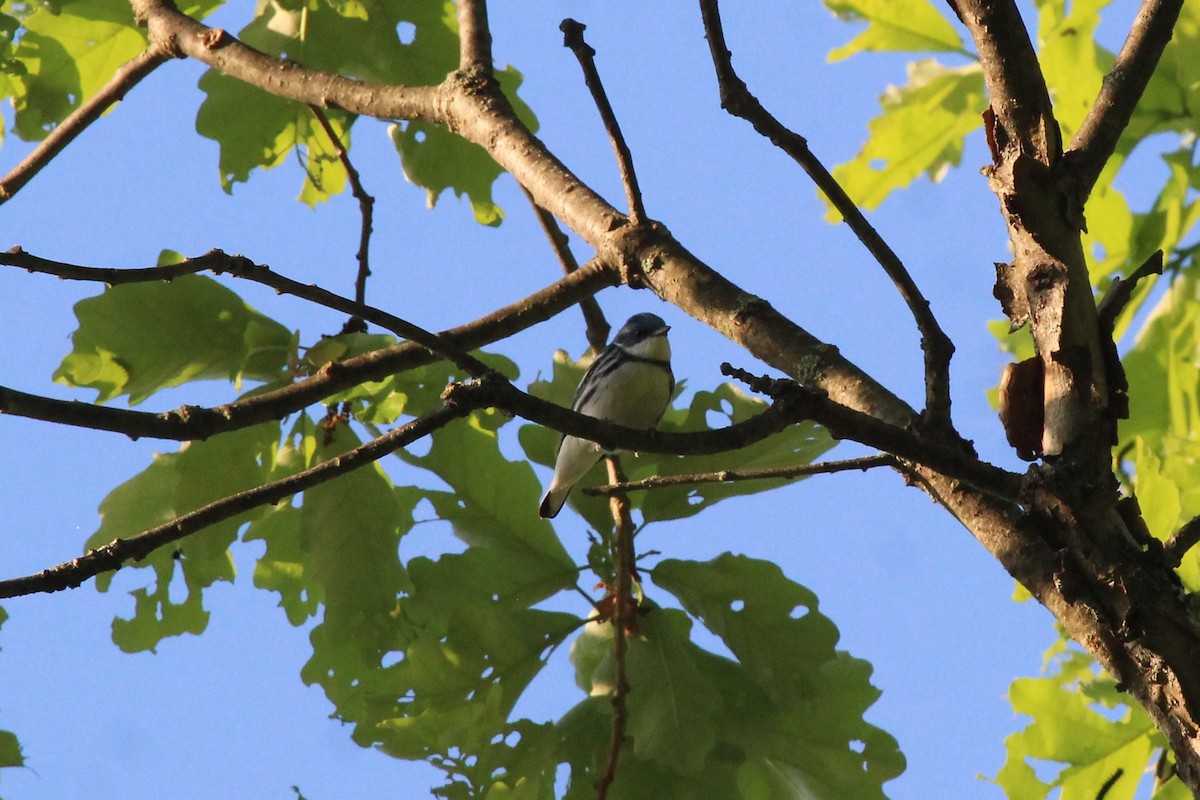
(1121, 292)
(737, 100)
(125, 78)
(1181, 542)
(1097, 137)
(366, 205)
(861, 464)
(113, 556)
(573, 39)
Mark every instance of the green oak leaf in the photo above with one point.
(1082, 724)
(136, 339)
(895, 25)
(1162, 370)
(10, 750)
(920, 131)
(438, 160)
(174, 484)
(802, 700)
(67, 52)
(673, 707)
(494, 500)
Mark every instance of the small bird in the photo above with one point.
(629, 383)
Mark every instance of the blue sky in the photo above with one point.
(226, 714)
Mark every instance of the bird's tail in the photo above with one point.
(552, 503)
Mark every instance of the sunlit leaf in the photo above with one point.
(67, 52)
(894, 25)
(1072, 62)
(1083, 726)
(920, 131)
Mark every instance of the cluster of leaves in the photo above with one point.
(921, 131)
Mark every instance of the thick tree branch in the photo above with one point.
(1096, 139)
(1047, 283)
(737, 99)
(366, 206)
(734, 475)
(573, 39)
(125, 78)
(1016, 86)
(177, 33)
(114, 555)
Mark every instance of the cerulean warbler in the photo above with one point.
(629, 383)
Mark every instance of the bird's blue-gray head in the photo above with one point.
(639, 328)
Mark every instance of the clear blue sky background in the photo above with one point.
(225, 714)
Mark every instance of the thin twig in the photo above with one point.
(1181, 542)
(862, 463)
(113, 556)
(597, 326)
(623, 606)
(737, 100)
(125, 78)
(1097, 137)
(474, 36)
(573, 39)
(366, 205)
(1121, 292)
